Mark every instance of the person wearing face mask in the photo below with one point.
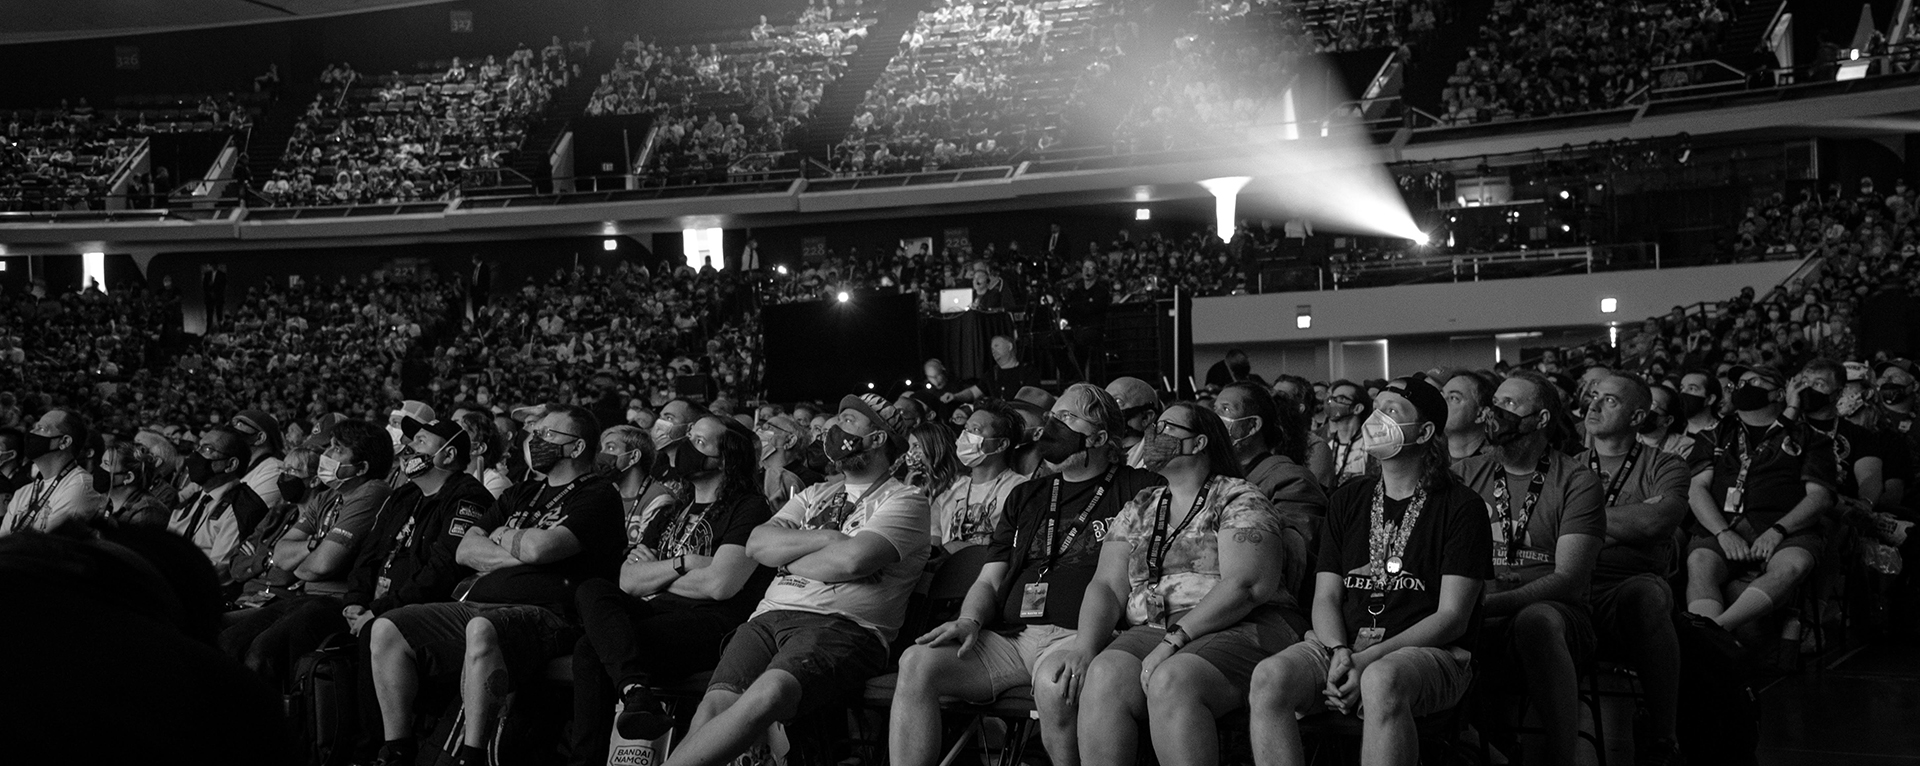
(14, 473)
(1194, 571)
(1347, 407)
(1140, 405)
(929, 463)
(1646, 501)
(1040, 558)
(263, 593)
(1700, 401)
(488, 445)
(417, 410)
(684, 586)
(263, 434)
(971, 506)
(1295, 391)
(1027, 459)
(536, 543)
(848, 552)
(226, 510)
(1662, 429)
(62, 488)
(784, 471)
(1759, 505)
(1398, 579)
(320, 548)
(1857, 452)
(1270, 445)
(673, 421)
(1895, 388)
(123, 476)
(628, 460)
(408, 556)
(163, 460)
(1548, 523)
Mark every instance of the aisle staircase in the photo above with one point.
(841, 98)
(1748, 30)
(532, 160)
(1433, 62)
(266, 144)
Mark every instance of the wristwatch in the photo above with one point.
(680, 565)
(1179, 631)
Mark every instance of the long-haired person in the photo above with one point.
(931, 464)
(1401, 564)
(681, 591)
(1193, 571)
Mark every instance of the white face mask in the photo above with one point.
(971, 448)
(1235, 432)
(330, 471)
(398, 437)
(1383, 437)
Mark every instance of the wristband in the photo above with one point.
(975, 620)
(1335, 648)
(1782, 530)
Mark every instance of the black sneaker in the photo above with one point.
(640, 717)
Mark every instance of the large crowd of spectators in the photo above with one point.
(733, 100)
(422, 136)
(976, 83)
(1544, 57)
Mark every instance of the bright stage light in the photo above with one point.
(1225, 191)
(843, 296)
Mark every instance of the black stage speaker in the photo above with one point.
(823, 350)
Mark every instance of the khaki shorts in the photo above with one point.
(1011, 660)
(1444, 674)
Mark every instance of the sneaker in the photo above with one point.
(641, 718)
(1663, 752)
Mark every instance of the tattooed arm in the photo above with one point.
(1250, 566)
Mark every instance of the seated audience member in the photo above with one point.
(253, 579)
(1548, 524)
(1469, 394)
(1347, 405)
(929, 464)
(1042, 555)
(1271, 447)
(1701, 402)
(1859, 467)
(61, 489)
(15, 470)
(1664, 430)
(124, 477)
(408, 556)
(1140, 405)
(848, 553)
(226, 510)
(1646, 501)
(972, 505)
(537, 541)
(686, 586)
(1294, 391)
(310, 561)
(1759, 505)
(1401, 565)
(784, 471)
(487, 446)
(262, 434)
(1193, 570)
(672, 423)
(1006, 375)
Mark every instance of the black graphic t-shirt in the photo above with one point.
(588, 507)
(1451, 537)
(700, 530)
(1023, 523)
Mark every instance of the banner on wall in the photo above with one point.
(126, 57)
(461, 22)
(813, 249)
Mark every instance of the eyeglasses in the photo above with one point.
(547, 434)
(1344, 401)
(1160, 427)
(209, 452)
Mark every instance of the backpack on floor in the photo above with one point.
(320, 704)
(1719, 722)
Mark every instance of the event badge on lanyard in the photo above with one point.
(1512, 527)
(1033, 597)
(1386, 552)
(1157, 547)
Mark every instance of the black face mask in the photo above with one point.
(1505, 428)
(543, 455)
(102, 480)
(293, 490)
(1691, 405)
(36, 446)
(1058, 443)
(1750, 397)
(1654, 424)
(199, 468)
(682, 461)
(1893, 394)
(1813, 400)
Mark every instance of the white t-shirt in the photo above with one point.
(969, 511)
(265, 481)
(897, 511)
(49, 500)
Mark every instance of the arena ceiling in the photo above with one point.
(30, 21)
